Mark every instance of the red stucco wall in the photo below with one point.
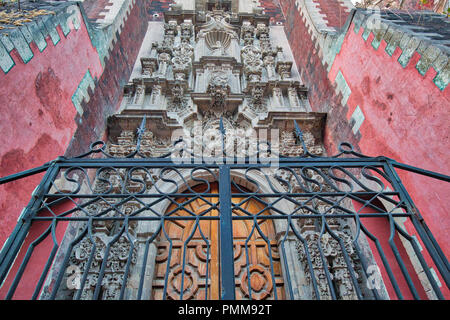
(37, 113)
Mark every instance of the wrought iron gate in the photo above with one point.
(98, 219)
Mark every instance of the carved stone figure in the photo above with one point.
(156, 94)
(218, 88)
(139, 94)
(293, 97)
(247, 33)
(163, 59)
(253, 64)
(217, 49)
(149, 65)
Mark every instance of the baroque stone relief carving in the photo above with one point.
(253, 64)
(267, 85)
(218, 88)
(332, 260)
(118, 256)
(151, 146)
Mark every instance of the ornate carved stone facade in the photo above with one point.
(211, 69)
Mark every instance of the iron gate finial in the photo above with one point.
(298, 132)
(140, 133)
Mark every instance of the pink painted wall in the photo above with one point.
(37, 115)
(406, 118)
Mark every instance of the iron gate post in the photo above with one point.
(226, 235)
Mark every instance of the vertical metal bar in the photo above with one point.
(226, 234)
(283, 252)
(43, 276)
(298, 132)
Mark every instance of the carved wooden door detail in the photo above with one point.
(197, 244)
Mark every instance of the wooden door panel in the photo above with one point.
(202, 256)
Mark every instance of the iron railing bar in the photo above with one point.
(216, 195)
(144, 263)
(424, 265)
(379, 195)
(48, 263)
(24, 262)
(286, 269)
(269, 249)
(308, 259)
(247, 258)
(249, 217)
(365, 267)
(346, 210)
(64, 162)
(428, 173)
(183, 265)
(205, 239)
(101, 273)
(24, 174)
(66, 261)
(431, 238)
(180, 206)
(443, 263)
(347, 261)
(76, 207)
(400, 262)
(324, 261)
(386, 264)
(169, 258)
(361, 257)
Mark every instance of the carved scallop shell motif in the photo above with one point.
(215, 37)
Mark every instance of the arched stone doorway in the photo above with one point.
(188, 251)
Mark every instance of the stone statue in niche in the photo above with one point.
(164, 59)
(218, 50)
(156, 94)
(139, 95)
(277, 96)
(269, 63)
(293, 97)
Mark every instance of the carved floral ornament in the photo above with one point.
(253, 64)
(334, 263)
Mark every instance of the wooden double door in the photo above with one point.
(188, 262)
